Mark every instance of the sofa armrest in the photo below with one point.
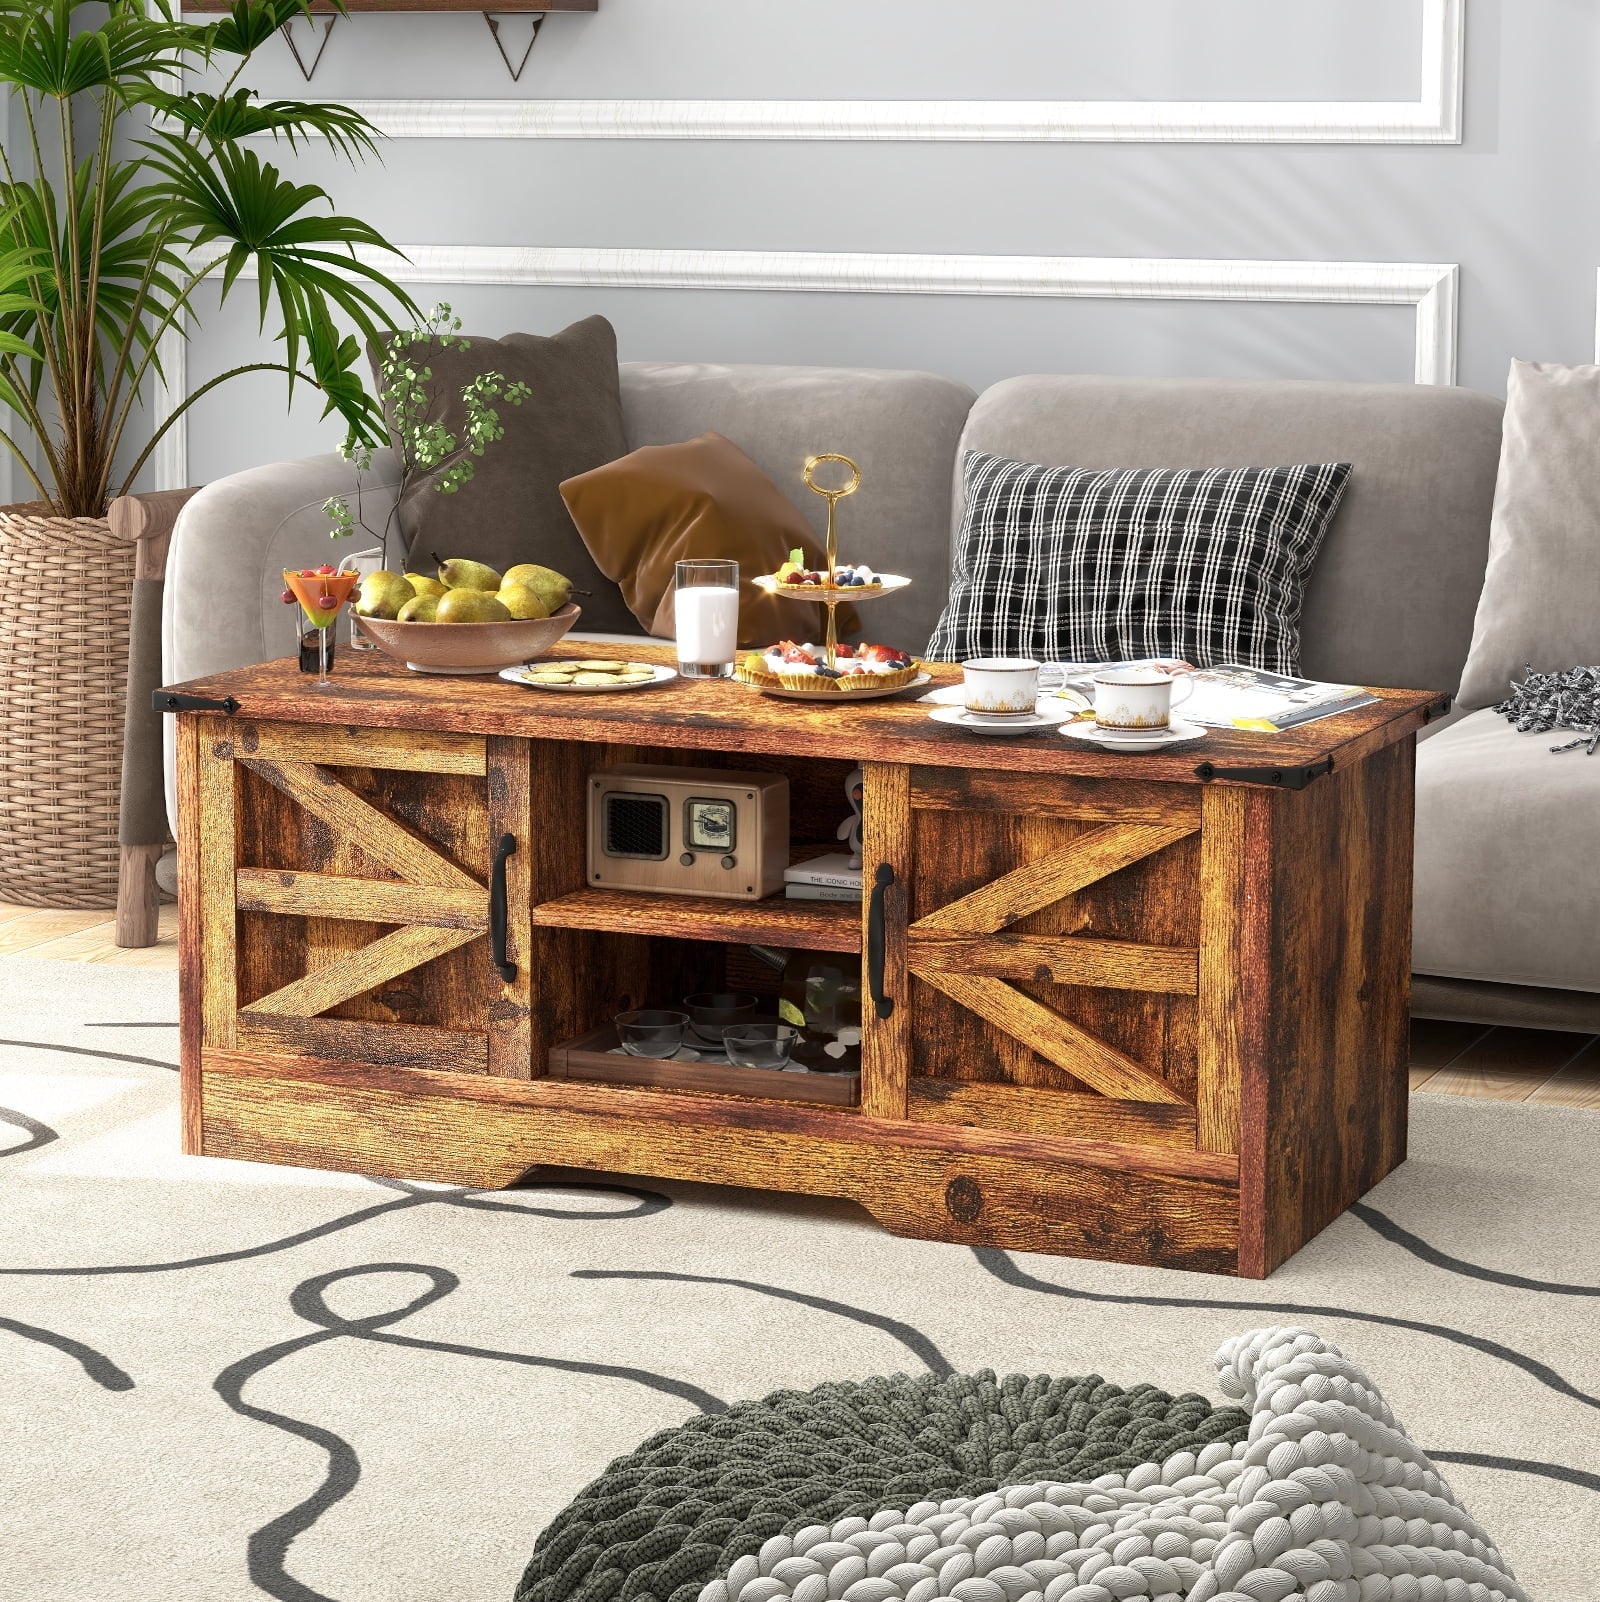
(233, 539)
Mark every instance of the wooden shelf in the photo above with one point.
(809, 925)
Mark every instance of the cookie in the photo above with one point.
(591, 679)
(600, 666)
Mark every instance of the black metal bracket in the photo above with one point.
(171, 701)
(1283, 778)
(1437, 709)
(537, 19)
(287, 30)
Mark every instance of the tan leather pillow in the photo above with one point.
(705, 498)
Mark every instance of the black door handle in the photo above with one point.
(882, 1004)
(497, 907)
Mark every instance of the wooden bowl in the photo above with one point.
(468, 647)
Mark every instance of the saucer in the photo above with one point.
(1135, 739)
(1046, 717)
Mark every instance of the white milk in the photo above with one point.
(708, 627)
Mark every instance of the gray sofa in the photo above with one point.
(1507, 921)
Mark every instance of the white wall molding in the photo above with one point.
(1434, 117)
(1429, 288)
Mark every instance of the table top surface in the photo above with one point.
(372, 691)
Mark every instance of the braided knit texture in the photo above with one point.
(693, 1502)
(1326, 1499)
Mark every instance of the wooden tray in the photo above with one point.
(592, 1056)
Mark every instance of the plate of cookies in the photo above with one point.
(589, 675)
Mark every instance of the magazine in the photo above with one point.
(1231, 696)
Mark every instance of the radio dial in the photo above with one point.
(687, 859)
(728, 862)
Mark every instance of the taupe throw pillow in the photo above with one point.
(512, 510)
(1541, 594)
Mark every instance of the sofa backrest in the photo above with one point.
(1392, 597)
(900, 428)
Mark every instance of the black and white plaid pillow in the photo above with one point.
(1068, 564)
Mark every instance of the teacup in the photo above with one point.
(1000, 687)
(1138, 698)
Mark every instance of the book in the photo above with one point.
(1231, 696)
(833, 869)
(821, 892)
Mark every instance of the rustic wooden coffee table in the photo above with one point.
(1150, 1008)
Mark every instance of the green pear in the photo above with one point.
(383, 594)
(553, 588)
(470, 606)
(462, 575)
(522, 600)
(420, 609)
(422, 585)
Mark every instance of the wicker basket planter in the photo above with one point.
(66, 587)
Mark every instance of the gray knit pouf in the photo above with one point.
(663, 1521)
(940, 1491)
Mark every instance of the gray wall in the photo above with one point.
(1514, 204)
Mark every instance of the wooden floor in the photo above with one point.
(1546, 1066)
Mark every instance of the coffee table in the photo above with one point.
(1151, 1008)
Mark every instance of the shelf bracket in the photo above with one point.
(294, 49)
(537, 18)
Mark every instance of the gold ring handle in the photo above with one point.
(814, 462)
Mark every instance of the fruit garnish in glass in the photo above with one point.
(322, 593)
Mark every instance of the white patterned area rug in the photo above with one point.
(221, 1382)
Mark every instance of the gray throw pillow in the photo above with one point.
(1540, 604)
(512, 511)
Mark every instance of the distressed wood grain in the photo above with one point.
(886, 1065)
(1067, 960)
(359, 970)
(1083, 1055)
(330, 895)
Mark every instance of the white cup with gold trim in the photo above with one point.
(1127, 700)
(1000, 688)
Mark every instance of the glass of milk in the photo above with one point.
(706, 603)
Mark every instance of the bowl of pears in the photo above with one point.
(467, 619)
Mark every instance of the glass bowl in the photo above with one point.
(651, 1032)
(760, 1045)
(712, 1011)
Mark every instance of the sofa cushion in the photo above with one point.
(901, 428)
(1082, 565)
(1392, 596)
(663, 504)
(1538, 607)
(1507, 857)
(512, 510)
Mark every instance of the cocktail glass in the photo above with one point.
(321, 596)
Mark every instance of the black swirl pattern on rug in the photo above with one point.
(1402, 1237)
(85, 1051)
(912, 1338)
(34, 1133)
(268, 1547)
(647, 1202)
(95, 1364)
(1007, 1272)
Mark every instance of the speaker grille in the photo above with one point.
(635, 825)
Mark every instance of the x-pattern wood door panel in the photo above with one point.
(359, 910)
(1052, 966)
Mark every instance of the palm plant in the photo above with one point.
(123, 194)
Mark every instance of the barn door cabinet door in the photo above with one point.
(363, 893)
(1041, 943)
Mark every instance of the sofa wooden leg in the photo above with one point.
(138, 899)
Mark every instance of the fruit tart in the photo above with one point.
(796, 580)
(805, 668)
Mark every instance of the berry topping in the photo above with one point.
(325, 602)
(797, 654)
(327, 567)
(287, 597)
